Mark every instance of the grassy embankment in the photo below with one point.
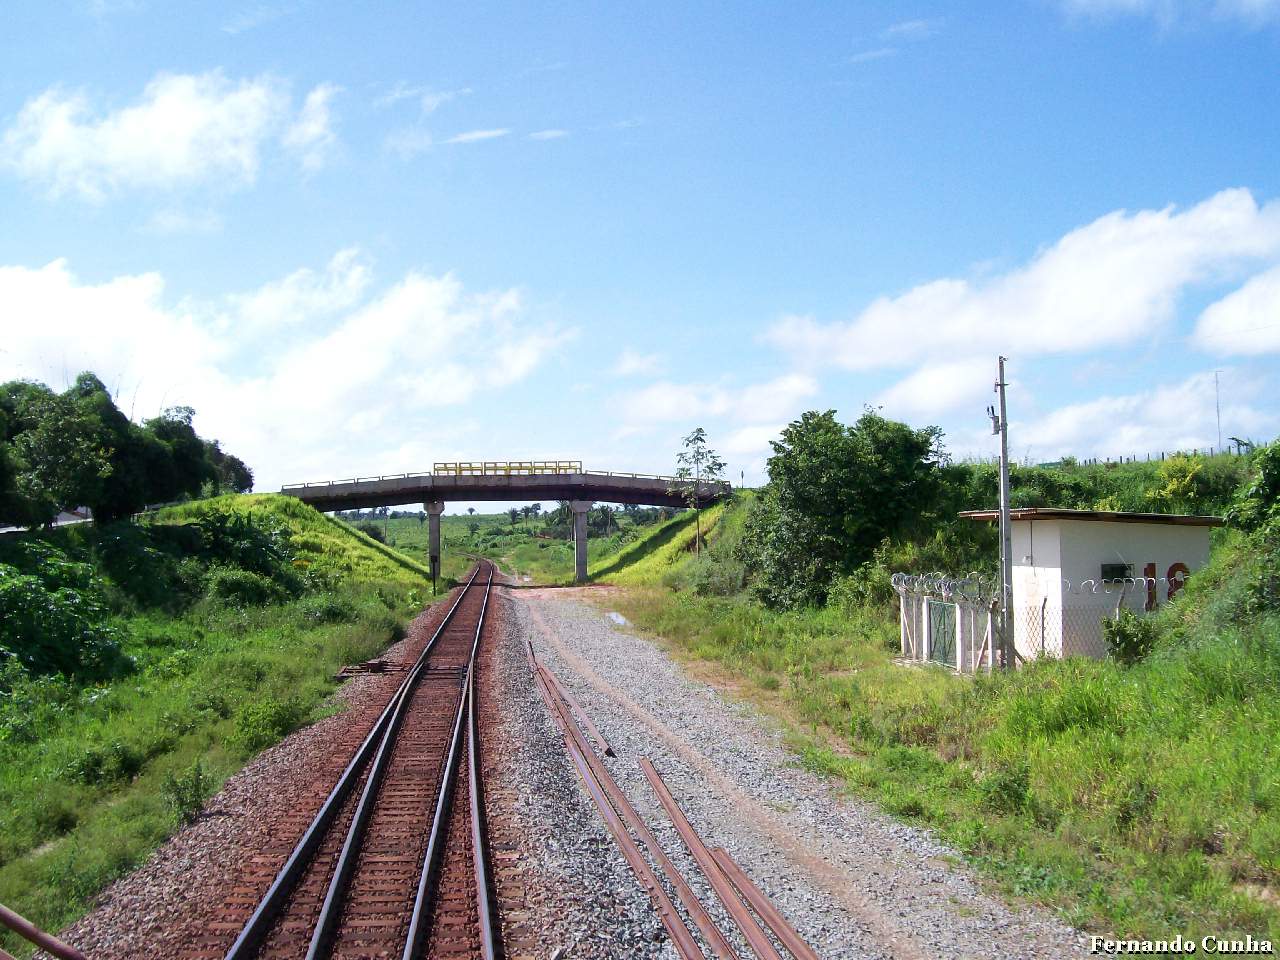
(95, 774)
(515, 547)
(1142, 800)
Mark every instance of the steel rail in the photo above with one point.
(490, 942)
(761, 904)
(756, 937)
(427, 883)
(256, 928)
(29, 931)
(592, 730)
(618, 815)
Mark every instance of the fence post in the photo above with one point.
(927, 630)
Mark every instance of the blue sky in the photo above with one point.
(362, 238)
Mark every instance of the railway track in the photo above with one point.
(395, 863)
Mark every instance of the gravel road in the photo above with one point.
(855, 882)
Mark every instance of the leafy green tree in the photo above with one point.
(697, 464)
(835, 492)
(1258, 502)
(62, 460)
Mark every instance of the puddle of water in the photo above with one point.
(617, 618)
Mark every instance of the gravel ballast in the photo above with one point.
(855, 882)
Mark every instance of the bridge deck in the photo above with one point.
(365, 492)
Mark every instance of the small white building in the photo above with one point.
(1072, 568)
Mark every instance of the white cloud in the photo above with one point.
(938, 388)
(1170, 417)
(911, 30)
(774, 399)
(1114, 281)
(303, 296)
(409, 142)
(253, 17)
(1245, 321)
(311, 135)
(474, 136)
(632, 363)
(1253, 13)
(429, 99)
(357, 367)
(553, 134)
(174, 221)
(666, 401)
(869, 56)
(752, 440)
(186, 129)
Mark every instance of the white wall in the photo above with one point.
(1052, 620)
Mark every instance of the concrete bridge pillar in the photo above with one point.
(434, 508)
(580, 508)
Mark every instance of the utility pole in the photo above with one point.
(1000, 425)
(1217, 406)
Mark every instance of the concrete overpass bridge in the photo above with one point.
(519, 480)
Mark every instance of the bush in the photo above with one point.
(185, 794)
(60, 630)
(262, 722)
(244, 587)
(103, 763)
(372, 530)
(1130, 638)
(1259, 503)
(1007, 789)
(327, 608)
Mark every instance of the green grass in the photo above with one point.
(83, 769)
(1140, 801)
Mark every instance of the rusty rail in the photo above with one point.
(756, 937)
(606, 795)
(761, 904)
(29, 931)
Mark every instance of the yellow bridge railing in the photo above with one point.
(505, 468)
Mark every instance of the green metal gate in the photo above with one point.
(942, 633)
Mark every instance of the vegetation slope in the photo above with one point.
(142, 664)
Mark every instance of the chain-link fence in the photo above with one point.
(1070, 625)
(947, 621)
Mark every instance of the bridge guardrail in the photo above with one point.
(509, 469)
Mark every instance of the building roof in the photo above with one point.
(1105, 516)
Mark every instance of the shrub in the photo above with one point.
(1007, 789)
(261, 723)
(1130, 638)
(244, 587)
(327, 608)
(372, 530)
(1259, 503)
(60, 630)
(185, 794)
(103, 763)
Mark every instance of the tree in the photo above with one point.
(698, 464)
(60, 460)
(835, 493)
(471, 511)
(514, 515)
